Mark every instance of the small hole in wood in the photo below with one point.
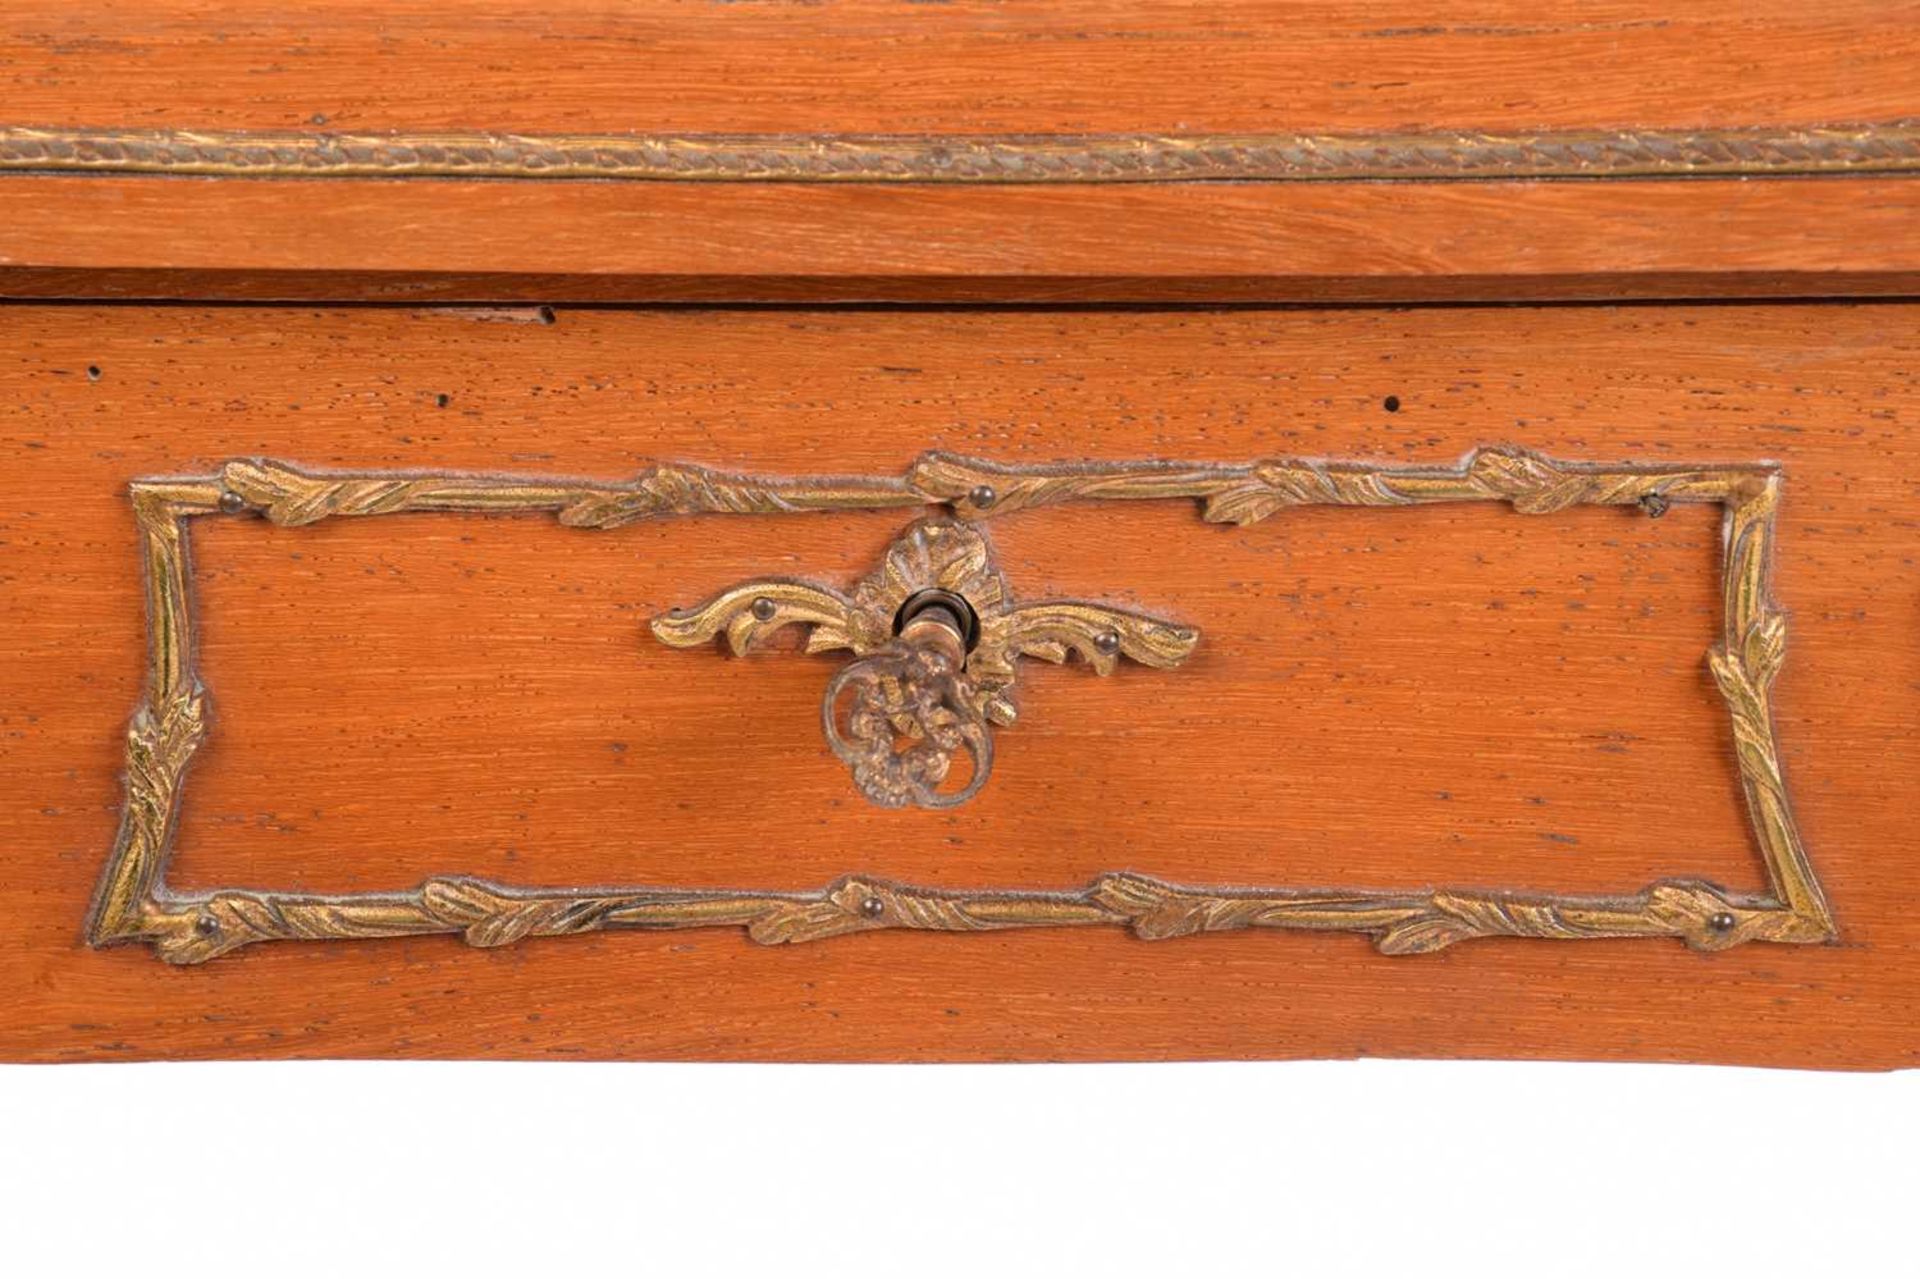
(1391, 404)
(547, 316)
(442, 400)
(93, 372)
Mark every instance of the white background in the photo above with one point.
(1314, 1169)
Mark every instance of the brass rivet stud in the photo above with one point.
(1655, 505)
(982, 496)
(232, 503)
(1722, 922)
(764, 609)
(1107, 642)
(206, 925)
(873, 908)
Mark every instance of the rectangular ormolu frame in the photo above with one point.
(134, 903)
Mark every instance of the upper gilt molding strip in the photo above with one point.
(976, 158)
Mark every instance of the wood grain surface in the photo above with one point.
(966, 66)
(450, 240)
(1443, 695)
(1172, 68)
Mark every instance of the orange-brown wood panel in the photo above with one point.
(1071, 74)
(358, 239)
(1036, 66)
(1382, 698)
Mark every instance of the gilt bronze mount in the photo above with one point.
(1451, 155)
(937, 636)
(962, 686)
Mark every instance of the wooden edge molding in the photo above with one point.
(984, 158)
(360, 239)
(134, 903)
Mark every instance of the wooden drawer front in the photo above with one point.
(1526, 645)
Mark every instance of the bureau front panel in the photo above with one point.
(959, 684)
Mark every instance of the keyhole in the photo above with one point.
(941, 606)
